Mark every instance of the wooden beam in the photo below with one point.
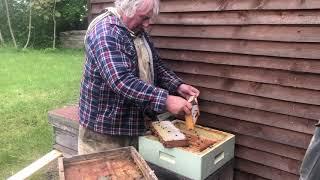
(269, 76)
(261, 117)
(241, 18)
(209, 5)
(267, 159)
(284, 93)
(270, 147)
(289, 64)
(278, 135)
(36, 166)
(263, 171)
(263, 48)
(240, 175)
(250, 32)
(265, 104)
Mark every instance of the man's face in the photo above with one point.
(142, 17)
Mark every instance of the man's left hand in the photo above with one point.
(186, 91)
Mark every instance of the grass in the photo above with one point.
(33, 82)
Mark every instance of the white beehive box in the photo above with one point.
(183, 160)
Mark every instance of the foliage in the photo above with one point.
(70, 15)
(32, 82)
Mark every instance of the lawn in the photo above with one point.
(31, 83)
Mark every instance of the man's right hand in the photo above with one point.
(177, 105)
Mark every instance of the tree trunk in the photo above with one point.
(9, 24)
(29, 33)
(54, 25)
(1, 38)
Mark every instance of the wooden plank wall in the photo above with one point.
(256, 63)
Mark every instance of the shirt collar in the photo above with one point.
(118, 21)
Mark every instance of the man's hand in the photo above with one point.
(177, 105)
(186, 91)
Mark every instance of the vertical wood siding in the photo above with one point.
(257, 64)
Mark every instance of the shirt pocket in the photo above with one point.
(130, 51)
(129, 47)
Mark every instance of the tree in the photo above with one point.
(54, 24)
(1, 38)
(1, 35)
(29, 29)
(47, 9)
(37, 23)
(9, 24)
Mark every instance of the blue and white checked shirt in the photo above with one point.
(113, 100)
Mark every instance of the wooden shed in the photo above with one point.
(257, 65)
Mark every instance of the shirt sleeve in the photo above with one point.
(115, 66)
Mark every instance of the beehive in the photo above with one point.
(194, 162)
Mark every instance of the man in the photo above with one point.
(124, 80)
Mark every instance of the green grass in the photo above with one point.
(31, 83)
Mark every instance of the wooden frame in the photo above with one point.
(111, 154)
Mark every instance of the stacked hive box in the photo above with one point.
(190, 161)
(65, 127)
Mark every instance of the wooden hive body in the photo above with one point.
(190, 161)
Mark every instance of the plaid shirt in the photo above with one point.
(113, 100)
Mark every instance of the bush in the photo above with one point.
(70, 15)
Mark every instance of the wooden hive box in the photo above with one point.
(65, 123)
(190, 161)
(122, 163)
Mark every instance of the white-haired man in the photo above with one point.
(124, 80)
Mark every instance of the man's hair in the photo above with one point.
(129, 7)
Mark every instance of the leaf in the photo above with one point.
(45, 17)
(57, 14)
(37, 7)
